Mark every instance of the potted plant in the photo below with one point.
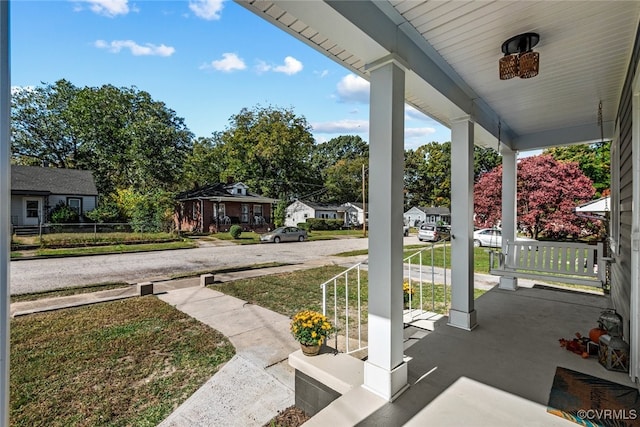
(408, 292)
(310, 329)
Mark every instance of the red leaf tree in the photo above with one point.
(548, 190)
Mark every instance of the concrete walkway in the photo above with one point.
(258, 381)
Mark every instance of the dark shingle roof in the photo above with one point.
(25, 179)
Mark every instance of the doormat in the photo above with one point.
(591, 401)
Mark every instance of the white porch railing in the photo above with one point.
(345, 301)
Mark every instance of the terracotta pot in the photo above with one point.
(310, 350)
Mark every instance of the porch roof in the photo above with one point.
(451, 52)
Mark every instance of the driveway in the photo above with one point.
(46, 274)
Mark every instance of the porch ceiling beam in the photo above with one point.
(588, 133)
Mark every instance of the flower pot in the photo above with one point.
(310, 350)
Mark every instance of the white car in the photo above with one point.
(489, 237)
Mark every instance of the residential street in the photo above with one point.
(45, 274)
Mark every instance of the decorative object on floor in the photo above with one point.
(591, 401)
(578, 345)
(311, 329)
(613, 353)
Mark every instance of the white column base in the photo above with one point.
(508, 283)
(462, 320)
(386, 384)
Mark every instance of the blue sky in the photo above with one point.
(205, 59)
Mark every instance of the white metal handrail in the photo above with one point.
(415, 272)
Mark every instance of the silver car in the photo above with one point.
(285, 234)
(489, 237)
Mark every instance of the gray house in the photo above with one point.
(433, 215)
(35, 190)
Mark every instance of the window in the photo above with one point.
(244, 213)
(33, 209)
(257, 210)
(75, 204)
(194, 210)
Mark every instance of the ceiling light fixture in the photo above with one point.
(519, 59)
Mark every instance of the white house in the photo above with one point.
(299, 211)
(353, 213)
(433, 215)
(36, 190)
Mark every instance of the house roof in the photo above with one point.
(39, 180)
(450, 53)
(220, 193)
(433, 210)
(322, 206)
(599, 206)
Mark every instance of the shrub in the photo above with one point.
(63, 214)
(303, 226)
(235, 231)
(324, 224)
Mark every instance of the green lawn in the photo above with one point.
(123, 363)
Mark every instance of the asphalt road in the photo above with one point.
(46, 274)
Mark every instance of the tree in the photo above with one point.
(121, 134)
(269, 149)
(339, 162)
(41, 129)
(203, 164)
(548, 191)
(428, 172)
(594, 161)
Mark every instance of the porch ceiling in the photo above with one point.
(451, 50)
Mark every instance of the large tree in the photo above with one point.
(593, 159)
(548, 191)
(125, 137)
(339, 162)
(427, 174)
(269, 149)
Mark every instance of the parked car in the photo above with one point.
(428, 233)
(489, 237)
(285, 234)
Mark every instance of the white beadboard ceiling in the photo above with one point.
(451, 50)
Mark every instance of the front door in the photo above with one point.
(244, 213)
(32, 211)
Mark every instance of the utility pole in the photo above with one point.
(364, 206)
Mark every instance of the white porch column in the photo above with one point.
(462, 314)
(509, 206)
(385, 372)
(5, 210)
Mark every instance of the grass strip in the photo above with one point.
(75, 290)
(123, 363)
(120, 248)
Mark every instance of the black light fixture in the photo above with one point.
(519, 59)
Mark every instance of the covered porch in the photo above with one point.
(501, 374)
(443, 59)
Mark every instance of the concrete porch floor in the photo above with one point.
(499, 374)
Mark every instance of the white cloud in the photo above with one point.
(229, 62)
(291, 66)
(136, 49)
(206, 9)
(322, 74)
(418, 132)
(352, 88)
(108, 8)
(342, 126)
